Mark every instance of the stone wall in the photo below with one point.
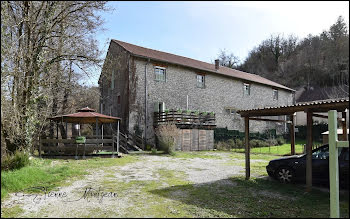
(219, 92)
(116, 67)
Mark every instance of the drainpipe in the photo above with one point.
(146, 101)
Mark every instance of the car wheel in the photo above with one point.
(285, 175)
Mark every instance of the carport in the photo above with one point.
(312, 109)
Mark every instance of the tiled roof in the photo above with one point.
(184, 61)
(342, 102)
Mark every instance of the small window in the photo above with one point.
(246, 89)
(275, 94)
(201, 81)
(230, 111)
(160, 73)
(118, 99)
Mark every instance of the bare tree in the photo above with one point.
(228, 59)
(40, 41)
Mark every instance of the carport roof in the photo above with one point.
(313, 106)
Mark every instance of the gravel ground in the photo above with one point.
(75, 204)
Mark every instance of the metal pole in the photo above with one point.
(187, 103)
(333, 164)
(145, 101)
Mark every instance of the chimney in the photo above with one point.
(216, 64)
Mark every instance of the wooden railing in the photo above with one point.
(70, 147)
(184, 118)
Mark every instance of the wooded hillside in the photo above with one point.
(320, 61)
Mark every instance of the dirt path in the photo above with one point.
(112, 191)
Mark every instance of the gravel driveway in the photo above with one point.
(112, 191)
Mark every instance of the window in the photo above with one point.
(230, 110)
(118, 99)
(160, 73)
(246, 89)
(275, 94)
(200, 81)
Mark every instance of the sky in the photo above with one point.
(199, 30)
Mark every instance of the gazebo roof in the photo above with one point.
(86, 115)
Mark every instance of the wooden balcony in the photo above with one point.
(185, 119)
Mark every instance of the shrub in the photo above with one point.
(231, 143)
(167, 135)
(154, 150)
(16, 160)
(239, 143)
(223, 146)
(272, 142)
(280, 140)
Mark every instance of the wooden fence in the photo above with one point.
(70, 147)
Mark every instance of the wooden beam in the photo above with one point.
(309, 152)
(345, 131)
(325, 117)
(292, 135)
(268, 120)
(247, 149)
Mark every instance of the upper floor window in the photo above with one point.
(246, 89)
(160, 74)
(118, 99)
(201, 81)
(275, 94)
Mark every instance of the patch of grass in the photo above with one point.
(14, 212)
(53, 173)
(252, 198)
(283, 149)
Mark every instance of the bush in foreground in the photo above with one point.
(167, 135)
(14, 161)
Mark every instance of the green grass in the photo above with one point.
(252, 198)
(172, 195)
(284, 149)
(53, 173)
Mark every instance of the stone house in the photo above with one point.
(134, 77)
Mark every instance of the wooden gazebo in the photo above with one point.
(312, 109)
(90, 143)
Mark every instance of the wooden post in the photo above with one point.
(96, 128)
(40, 143)
(118, 139)
(292, 135)
(333, 164)
(309, 152)
(247, 149)
(345, 132)
(56, 130)
(67, 130)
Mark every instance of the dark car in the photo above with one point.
(293, 168)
